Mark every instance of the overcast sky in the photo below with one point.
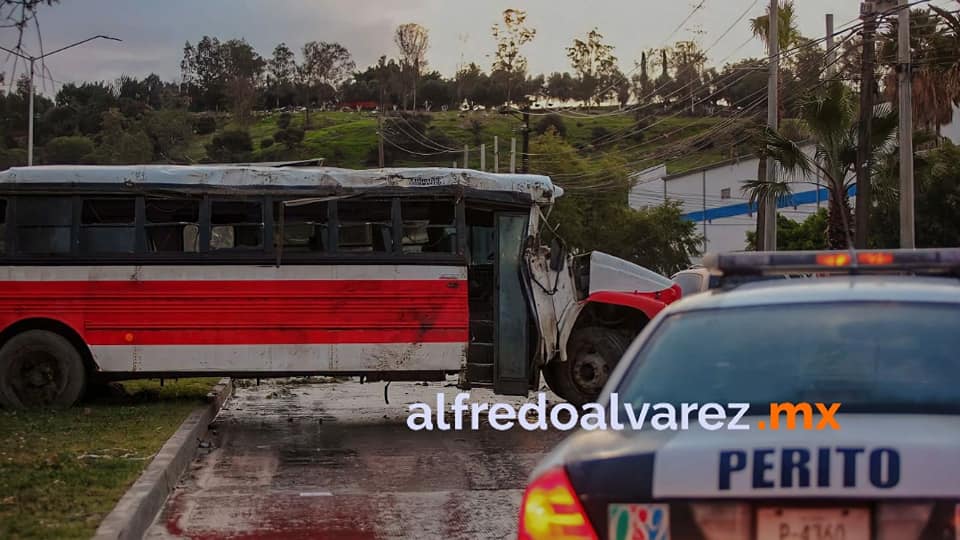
(154, 31)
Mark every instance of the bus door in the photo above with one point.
(512, 328)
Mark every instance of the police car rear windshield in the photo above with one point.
(871, 357)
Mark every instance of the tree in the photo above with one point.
(937, 194)
(642, 83)
(593, 214)
(561, 86)
(688, 60)
(243, 68)
(171, 131)
(230, 146)
(413, 41)
(621, 85)
(935, 52)
(594, 62)
(281, 69)
(788, 30)
(830, 117)
(788, 34)
(87, 102)
(67, 150)
(742, 82)
(325, 65)
(203, 72)
(807, 235)
(514, 35)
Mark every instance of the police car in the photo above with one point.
(867, 361)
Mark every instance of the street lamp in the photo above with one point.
(32, 60)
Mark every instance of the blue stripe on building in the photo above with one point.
(743, 209)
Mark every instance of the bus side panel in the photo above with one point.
(242, 318)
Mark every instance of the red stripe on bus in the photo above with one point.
(246, 312)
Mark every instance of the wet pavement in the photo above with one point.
(331, 460)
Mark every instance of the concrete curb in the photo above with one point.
(139, 506)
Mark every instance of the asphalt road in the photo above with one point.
(332, 460)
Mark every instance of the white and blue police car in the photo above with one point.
(862, 362)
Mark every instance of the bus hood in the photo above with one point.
(609, 273)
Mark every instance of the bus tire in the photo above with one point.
(39, 368)
(592, 353)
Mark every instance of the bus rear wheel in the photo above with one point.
(39, 368)
(592, 353)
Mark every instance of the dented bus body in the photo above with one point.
(397, 274)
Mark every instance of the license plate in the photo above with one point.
(813, 524)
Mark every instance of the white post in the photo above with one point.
(483, 157)
(773, 103)
(907, 206)
(513, 155)
(496, 154)
(30, 118)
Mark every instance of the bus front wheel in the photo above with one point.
(39, 368)
(592, 353)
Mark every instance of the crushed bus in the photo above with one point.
(120, 272)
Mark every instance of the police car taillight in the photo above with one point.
(723, 521)
(897, 521)
(788, 262)
(551, 510)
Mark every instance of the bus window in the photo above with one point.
(44, 225)
(481, 246)
(236, 225)
(3, 227)
(107, 226)
(428, 227)
(365, 226)
(304, 227)
(172, 226)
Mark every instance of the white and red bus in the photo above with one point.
(111, 273)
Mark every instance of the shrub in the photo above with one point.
(599, 134)
(551, 121)
(230, 146)
(290, 137)
(283, 122)
(205, 125)
(266, 143)
(67, 150)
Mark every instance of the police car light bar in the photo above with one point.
(938, 261)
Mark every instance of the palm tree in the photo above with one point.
(830, 117)
(788, 30)
(935, 43)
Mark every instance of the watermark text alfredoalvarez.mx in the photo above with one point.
(617, 416)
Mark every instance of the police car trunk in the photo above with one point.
(832, 412)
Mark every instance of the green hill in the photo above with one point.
(349, 139)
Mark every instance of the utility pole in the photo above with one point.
(496, 154)
(380, 129)
(525, 158)
(773, 121)
(483, 157)
(908, 235)
(466, 156)
(864, 154)
(831, 53)
(513, 155)
(32, 60)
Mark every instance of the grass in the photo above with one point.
(348, 139)
(62, 471)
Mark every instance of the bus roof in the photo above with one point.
(540, 188)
